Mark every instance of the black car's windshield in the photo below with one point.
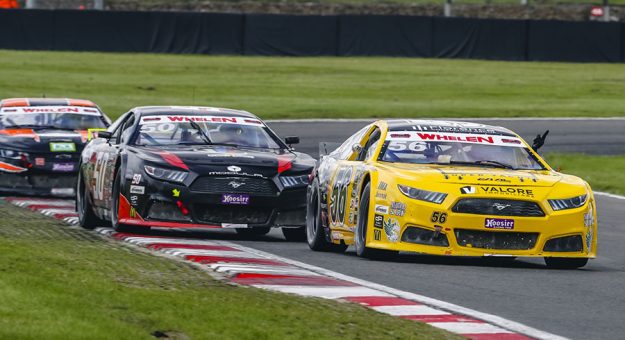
(458, 149)
(51, 117)
(203, 129)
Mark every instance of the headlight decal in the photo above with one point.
(568, 203)
(166, 174)
(422, 195)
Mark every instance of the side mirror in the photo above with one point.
(105, 134)
(539, 141)
(291, 140)
(356, 148)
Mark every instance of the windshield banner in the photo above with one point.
(411, 136)
(200, 119)
(51, 109)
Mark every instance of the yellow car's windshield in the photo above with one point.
(458, 149)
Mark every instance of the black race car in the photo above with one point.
(40, 143)
(193, 167)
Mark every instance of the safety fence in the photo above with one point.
(295, 35)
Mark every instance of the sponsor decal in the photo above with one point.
(137, 189)
(512, 191)
(335, 235)
(589, 222)
(382, 186)
(134, 199)
(398, 209)
(494, 179)
(173, 119)
(381, 209)
(65, 167)
(233, 168)
(40, 161)
(235, 184)
(136, 179)
(378, 221)
(62, 147)
(391, 229)
(352, 217)
(175, 192)
(499, 223)
(215, 153)
(133, 212)
(239, 199)
(62, 191)
(377, 234)
(380, 195)
(228, 173)
(54, 109)
(353, 203)
(233, 225)
(470, 138)
(468, 190)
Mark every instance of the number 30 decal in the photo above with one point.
(338, 199)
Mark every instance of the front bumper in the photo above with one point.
(567, 233)
(169, 205)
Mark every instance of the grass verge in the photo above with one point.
(604, 173)
(63, 283)
(282, 87)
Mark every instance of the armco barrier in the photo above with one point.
(291, 35)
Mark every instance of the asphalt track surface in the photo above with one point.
(580, 304)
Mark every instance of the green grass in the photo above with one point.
(281, 87)
(604, 173)
(62, 283)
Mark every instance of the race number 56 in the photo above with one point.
(338, 199)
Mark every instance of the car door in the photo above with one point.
(344, 190)
(106, 156)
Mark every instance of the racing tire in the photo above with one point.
(120, 227)
(86, 217)
(253, 232)
(360, 237)
(294, 234)
(315, 234)
(565, 263)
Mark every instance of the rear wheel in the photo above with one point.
(360, 237)
(315, 234)
(252, 232)
(294, 234)
(565, 263)
(120, 227)
(86, 217)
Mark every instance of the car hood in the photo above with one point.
(227, 161)
(43, 140)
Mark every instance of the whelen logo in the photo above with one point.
(233, 168)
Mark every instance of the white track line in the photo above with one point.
(467, 328)
(605, 194)
(409, 310)
(492, 319)
(324, 292)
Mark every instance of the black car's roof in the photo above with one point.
(186, 110)
(445, 126)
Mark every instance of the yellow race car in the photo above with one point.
(448, 188)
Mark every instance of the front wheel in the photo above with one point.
(565, 263)
(360, 239)
(86, 217)
(315, 233)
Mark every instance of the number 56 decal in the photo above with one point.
(439, 217)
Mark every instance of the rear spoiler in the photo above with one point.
(325, 148)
